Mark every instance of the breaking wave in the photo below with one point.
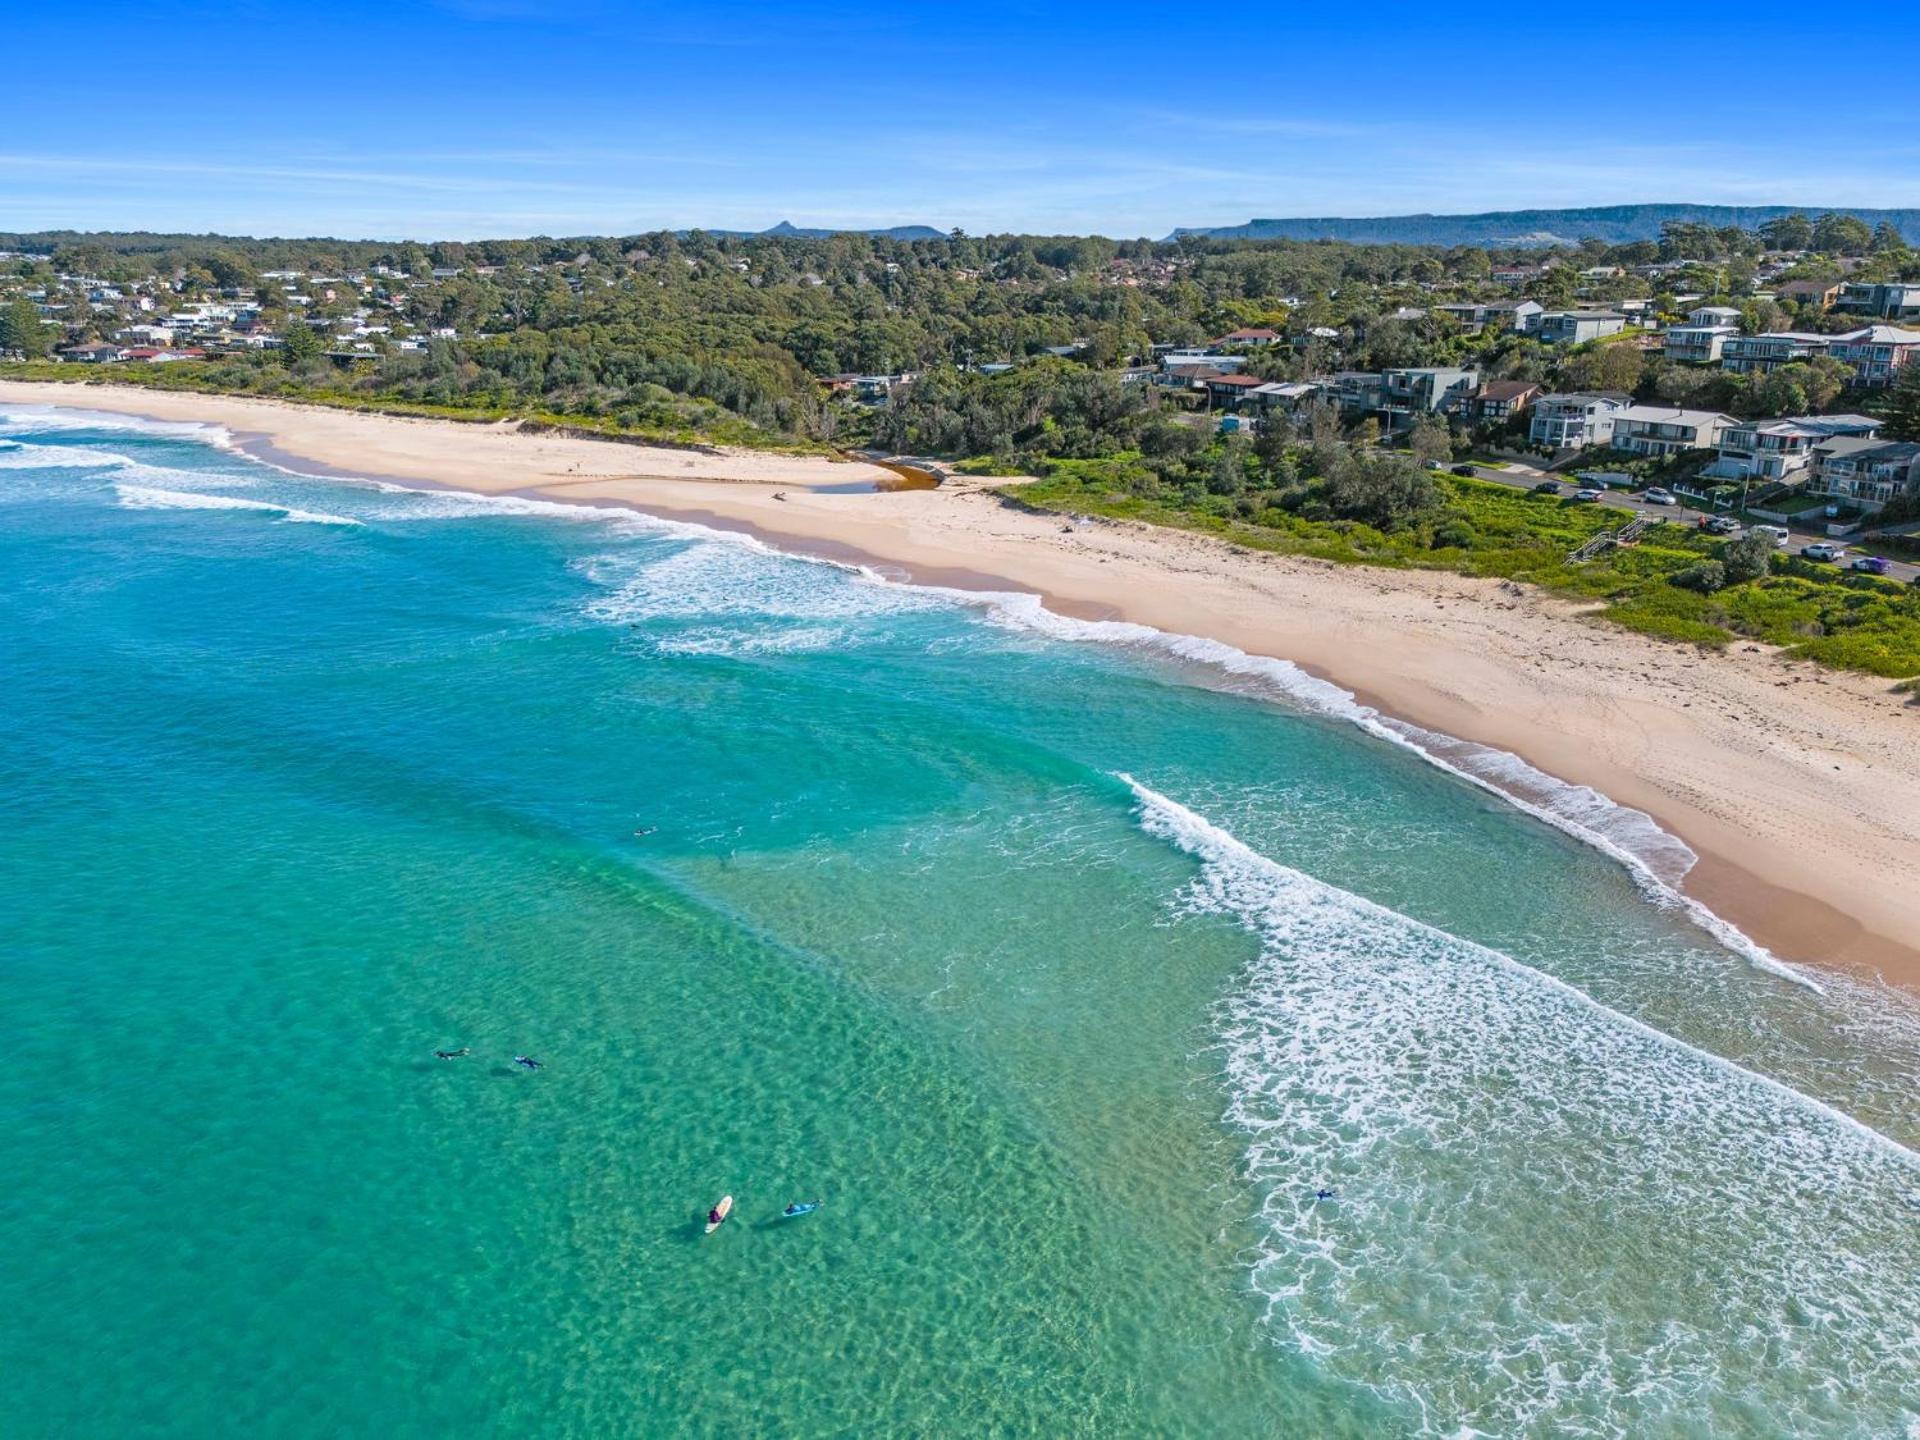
(143, 497)
(1462, 1105)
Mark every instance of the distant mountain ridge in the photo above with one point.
(800, 232)
(1615, 224)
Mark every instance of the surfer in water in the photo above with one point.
(453, 1054)
(802, 1207)
(1325, 1194)
(526, 1062)
(716, 1217)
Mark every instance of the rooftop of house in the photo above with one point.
(1669, 415)
(1846, 446)
(1879, 335)
(1507, 389)
(1581, 398)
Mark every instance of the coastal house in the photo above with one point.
(1225, 392)
(878, 389)
(1663, 430)
(1763, 354)
(1429, 390)
(1515, 274)
(1474, 315)
(1701, 339)
(1868, 472)
(1575, 421)
(1498, 401)
(1246, 338)
(1782, 449)
(1188, 377)
(1288, 397)
(93, 354)
(1883, 302)
(1820, 294)
(1225, 364)
(1354, 392)
(1877, 354)
(145, 335)
(1576, 327)
(1764, 450)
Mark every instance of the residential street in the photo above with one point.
(1525, 478)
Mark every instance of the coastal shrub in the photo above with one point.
(1454, 533)
(1748, 558)
(1672, 614)
(1705, 577)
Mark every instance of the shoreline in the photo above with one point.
(1797, 788)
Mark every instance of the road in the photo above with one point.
(1524, 478)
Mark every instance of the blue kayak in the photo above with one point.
(807, 1207)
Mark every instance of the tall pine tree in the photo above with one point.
(1903, 419)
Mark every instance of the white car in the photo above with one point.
(1822, 550)
(1657, 496)
(1775, 533)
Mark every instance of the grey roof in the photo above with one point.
(1860, 444)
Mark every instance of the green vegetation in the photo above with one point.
(1676, 583)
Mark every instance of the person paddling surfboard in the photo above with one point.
(717, 1216)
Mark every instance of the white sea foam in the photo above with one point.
(24, 455)
(145, 497)
(742, 642)
(704, 579)
(1546, 1212)
(47, 419)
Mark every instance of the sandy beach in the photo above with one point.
(1799, 787)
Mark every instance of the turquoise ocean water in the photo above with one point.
(1066, 963)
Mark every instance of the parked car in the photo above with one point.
(1824, 551)
(1870, 564)
(1657, 496)
(1719, 524)
(1464, 469)
(1547, 487)
(1775, 533)
(1588, 494)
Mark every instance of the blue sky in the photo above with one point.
(467, 118)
